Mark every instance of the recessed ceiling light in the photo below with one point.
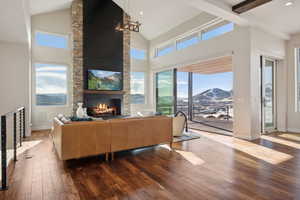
(289, 3)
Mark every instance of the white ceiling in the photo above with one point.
(159, 16)
(43, 6)
(274, 15)
(278, 16)
(14, 21)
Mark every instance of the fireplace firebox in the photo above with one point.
(103, 105)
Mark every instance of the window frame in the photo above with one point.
(145, 87)
(297, 79)
(67, 36)
(213, 28)
(165, 46)
(214, 24)
(34, 88)
(196, 35)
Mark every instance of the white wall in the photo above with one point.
(58, 22)
(265, 44)
(14, 81)
(293, 119)
(139, 42)
(14, 60)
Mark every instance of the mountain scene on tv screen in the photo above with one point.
(104, 81)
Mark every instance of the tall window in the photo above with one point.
(165, 50)
(187, 41)
(182, 91)
(138, 54)
(51, 84)
(216, 31)
(137, 87)
(51, 40)
(298, 77)
(164, 92)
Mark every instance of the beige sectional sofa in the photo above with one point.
(82, 139)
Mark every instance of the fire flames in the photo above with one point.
(103, 109)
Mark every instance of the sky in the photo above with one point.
(201, 83)
(137, 83)
(102, 73)
(51, 79)
(51, 40)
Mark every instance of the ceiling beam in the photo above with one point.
(218, 8)
(247, 5)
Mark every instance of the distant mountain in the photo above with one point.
(138, 99)
(214, 94)
(51, 99)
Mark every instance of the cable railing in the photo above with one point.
(18, 125)
(219, 118)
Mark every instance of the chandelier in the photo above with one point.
(129, 24)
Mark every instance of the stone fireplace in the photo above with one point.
(99, 103)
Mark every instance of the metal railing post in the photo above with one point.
(15, 136)
(3, 154)
(24, 124)
(20, 128)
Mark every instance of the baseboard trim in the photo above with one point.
(293, 130)
(41, 127)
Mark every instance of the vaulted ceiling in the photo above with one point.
(274, 15)
(42, 6)
(159, 16)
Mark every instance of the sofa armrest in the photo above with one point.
(57, 136)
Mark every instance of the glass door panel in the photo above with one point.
(213, 99)
(268, 95)
(182, 82)
(165, 92)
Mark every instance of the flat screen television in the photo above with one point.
(104, 80)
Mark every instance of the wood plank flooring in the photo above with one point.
(212, 167)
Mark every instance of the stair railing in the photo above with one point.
(20, 112)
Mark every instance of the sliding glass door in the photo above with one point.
(165, 92)
(213, 99)
(268, 95)
(182, 103)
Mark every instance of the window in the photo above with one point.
(165, 50)
(51, 40)
(193, 39)
(137, 87)
(217, 30)
(138, 54)
(51, 84)
(187, 41)
(298, 77)
(165, 92)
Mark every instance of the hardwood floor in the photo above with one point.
(212, 167)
